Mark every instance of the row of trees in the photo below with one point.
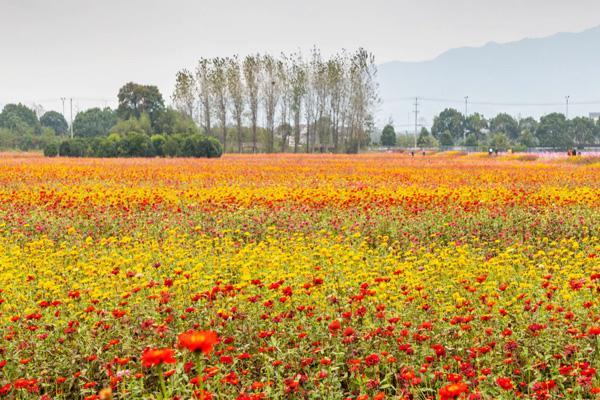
(304, 104)
(135, 144)
(140, 127)
(502, 132)
(554, 130)
(20, 127)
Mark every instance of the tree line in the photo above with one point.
(141, 126)
(302, 104)
(502, 132)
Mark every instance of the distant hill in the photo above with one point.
(542, 70)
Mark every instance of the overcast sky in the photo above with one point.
(87, 49)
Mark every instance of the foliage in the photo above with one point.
(446, 138)
(286, 90)
(388, 136)
(133, 124)
(448, 127)
(527, 138)
(137, 144)
(499, 141)
(56, 121)
(552, 131)
(476, 125)
(426, 140)
(582, 130)
(172, 121)
(136, 99)
(504, 123)
(94, 122)
(51, 150)
(20, 119)
(73, 148)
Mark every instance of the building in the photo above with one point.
(595, 116)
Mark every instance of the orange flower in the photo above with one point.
(197, 341)
(152, 357)
(453, 390)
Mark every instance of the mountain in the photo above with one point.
(508, 77)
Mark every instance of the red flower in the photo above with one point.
(334, 326)
(453, 390)
(372, 359)
(439, 349)
(594, 331)
(197, 341)
(505, 383)
(152, 357)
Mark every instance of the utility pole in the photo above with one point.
(63, 104)
(567, 104)
(71, 125)
(466, 116)
(416, 119)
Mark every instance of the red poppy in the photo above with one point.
(152, 357)
(197, 341)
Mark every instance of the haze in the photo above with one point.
(88, 49)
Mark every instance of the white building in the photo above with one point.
(595, 116)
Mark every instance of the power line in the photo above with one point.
(494, 103)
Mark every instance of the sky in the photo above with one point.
(87, 49)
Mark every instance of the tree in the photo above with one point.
(252, 75)
(581, 130)
(552, 131)
(446, 139)
(218, 85)
(476, 125)
(527, 138)
(426, 140)
(94, 122)
(322, 131)
(450, 124)
(172, 121)
(20, 119)
(270, 90)
(363, 96)
(136, 99)
(499, 141)
(298, 87)
(285, 88)
(56, 121)
(133, 125)
(331, 99)
(203, 87)
(506, 124)
(235, 87)
(184, 97)
(337, 85)
(388, 136)
(527, 123)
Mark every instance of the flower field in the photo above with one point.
(300, 277)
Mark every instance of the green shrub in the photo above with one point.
(73, 148)
(51, 150)
(158, 143)
(135, 144)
